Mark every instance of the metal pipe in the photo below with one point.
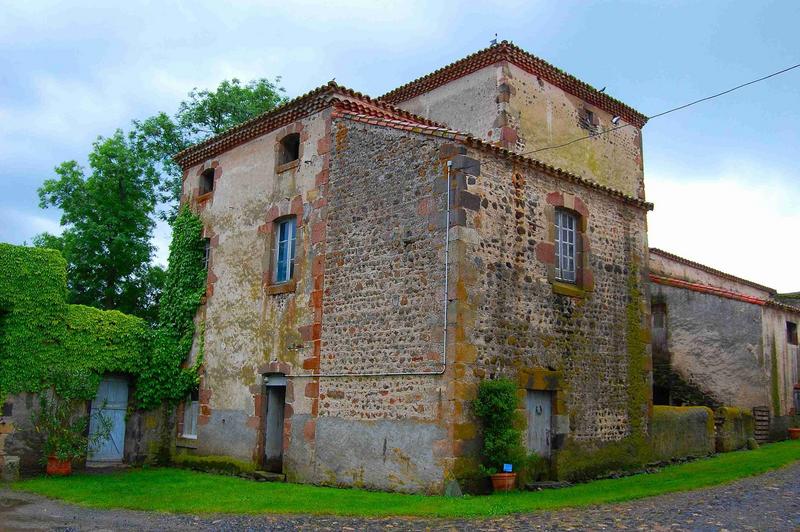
(446, 305)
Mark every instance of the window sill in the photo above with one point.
(282, 288)
(287, 166)
(205, 197)
(186, 441)
(567, 289)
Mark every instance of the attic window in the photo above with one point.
(206, 181)
(589, 119)
(289, 149)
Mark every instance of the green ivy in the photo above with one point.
(165, 378)
(44, 342)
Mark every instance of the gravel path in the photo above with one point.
(767, 502)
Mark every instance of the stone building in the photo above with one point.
(372, 260)
(350, 313)
(719, 339)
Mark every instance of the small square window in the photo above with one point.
(791, 333)
(206, 181)
(289, 149)
(285, 238)
(566, 246)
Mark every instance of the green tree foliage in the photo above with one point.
(496, 406)
(108, 224)
(204, 114)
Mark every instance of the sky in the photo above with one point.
(722, 174)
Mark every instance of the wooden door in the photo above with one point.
(540, 422)
(111, 402)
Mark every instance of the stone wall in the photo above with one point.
(585, 343)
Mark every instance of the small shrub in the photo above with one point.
(64, 431)
(496, 406)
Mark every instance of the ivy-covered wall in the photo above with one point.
(44, 342)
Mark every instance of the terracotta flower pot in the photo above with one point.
(794, 434)
(503, 481)
(58, 467)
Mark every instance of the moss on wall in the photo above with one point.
(214, 464)
(735, 427)
(774, 384)
(681, 431)
(637, 341)
(579, 461)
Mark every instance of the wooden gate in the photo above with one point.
(762, 419)
(111, 402)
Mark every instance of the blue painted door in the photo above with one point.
(111, 402)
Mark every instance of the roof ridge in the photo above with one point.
(525, 60)
(507, 154)
(713, 271)
(238, 134)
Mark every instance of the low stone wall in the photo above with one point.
(682, 432)
(734, 428)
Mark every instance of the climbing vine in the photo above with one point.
(164, 377)
(44, 342)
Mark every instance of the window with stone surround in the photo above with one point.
(288, 150)
(206, 184)
(566, 247)
(565, 250)
(285, 240)
(190, 410)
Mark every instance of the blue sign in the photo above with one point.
(506, 468)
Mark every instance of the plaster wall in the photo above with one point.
(252, 328)
(715, 343)
(505, 104)
(782, 358)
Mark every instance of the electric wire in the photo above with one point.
(657, 115)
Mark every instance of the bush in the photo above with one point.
(496, 406)
(65, 431)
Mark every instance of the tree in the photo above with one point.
(203, 115)
(107, 216)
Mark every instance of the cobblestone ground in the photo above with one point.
(767, 502)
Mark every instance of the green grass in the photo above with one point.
(181, 491)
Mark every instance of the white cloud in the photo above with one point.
(743, 220)
(14, 223)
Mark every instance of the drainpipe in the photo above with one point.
(446, 304)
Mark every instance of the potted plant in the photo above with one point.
(65, 433)
(496, 406)
(794, 430)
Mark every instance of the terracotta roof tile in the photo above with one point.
(291, 111)
(506, 51)
(712, 271)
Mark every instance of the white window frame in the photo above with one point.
(566, 244)
(191, 409)
(285, 243)
(206, 253)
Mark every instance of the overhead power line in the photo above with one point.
(684, 106)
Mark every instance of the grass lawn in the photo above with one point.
(175, 490)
